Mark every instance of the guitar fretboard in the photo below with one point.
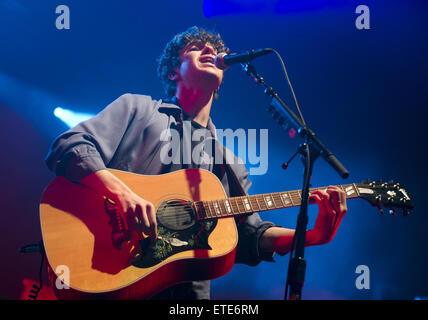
(228, 207)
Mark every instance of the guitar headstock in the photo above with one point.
(390, 195)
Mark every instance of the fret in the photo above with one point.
(351, 191)
(216, 208)
(256, 203)
(207, 206)
(221, 207)
(246, 203)
(294, 202)
(234, 205)
(212, 209)
(282, 201)
(200, 210)
(275, 196)
(264, 200)
(285, 197)
(268, 200)
(262, 204)
(356, 190)
(240, 205)
(227, 207)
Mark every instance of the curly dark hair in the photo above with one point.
(170, 57)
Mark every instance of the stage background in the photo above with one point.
(363, 92)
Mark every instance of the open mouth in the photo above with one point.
(207, 59)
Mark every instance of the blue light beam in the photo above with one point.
(71, 118)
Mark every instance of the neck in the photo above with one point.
(196, 103)
(234, 206)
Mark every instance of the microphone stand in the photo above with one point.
(310, 150)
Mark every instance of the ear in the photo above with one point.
(215, 94)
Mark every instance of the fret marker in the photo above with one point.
(349, 190)
(247, 205)
(229, 210)
(285, 198)
(216, 208)
(268, 201)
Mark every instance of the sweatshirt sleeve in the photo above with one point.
(89, 146)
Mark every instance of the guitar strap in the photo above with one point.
(236, 188)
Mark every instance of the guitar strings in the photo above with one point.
(171, 213)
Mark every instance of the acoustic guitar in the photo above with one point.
(92, 256)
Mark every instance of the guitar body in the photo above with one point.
(81, 229)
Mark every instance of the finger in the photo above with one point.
(311, 199)
(325, 197)
(144, 222)
(139, 219)
(340, 197)
(339, 204)
(124, 217)
(317, 197)
(334, 199)
(129, 219)
(151, 215)
(343, 204)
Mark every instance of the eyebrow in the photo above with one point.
(199, 44)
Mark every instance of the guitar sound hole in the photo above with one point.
(176, 214)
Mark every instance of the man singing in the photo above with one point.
(129, 135)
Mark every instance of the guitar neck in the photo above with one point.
(234, 206)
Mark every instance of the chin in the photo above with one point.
(211, 79)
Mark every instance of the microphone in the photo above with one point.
(224, 60)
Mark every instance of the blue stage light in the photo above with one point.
(233, 7)
(71, 118)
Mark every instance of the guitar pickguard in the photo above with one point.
(178, 231)
(170, 242)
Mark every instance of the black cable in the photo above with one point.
(291, 87)
(34, 292)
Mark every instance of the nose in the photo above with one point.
(208, 50)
